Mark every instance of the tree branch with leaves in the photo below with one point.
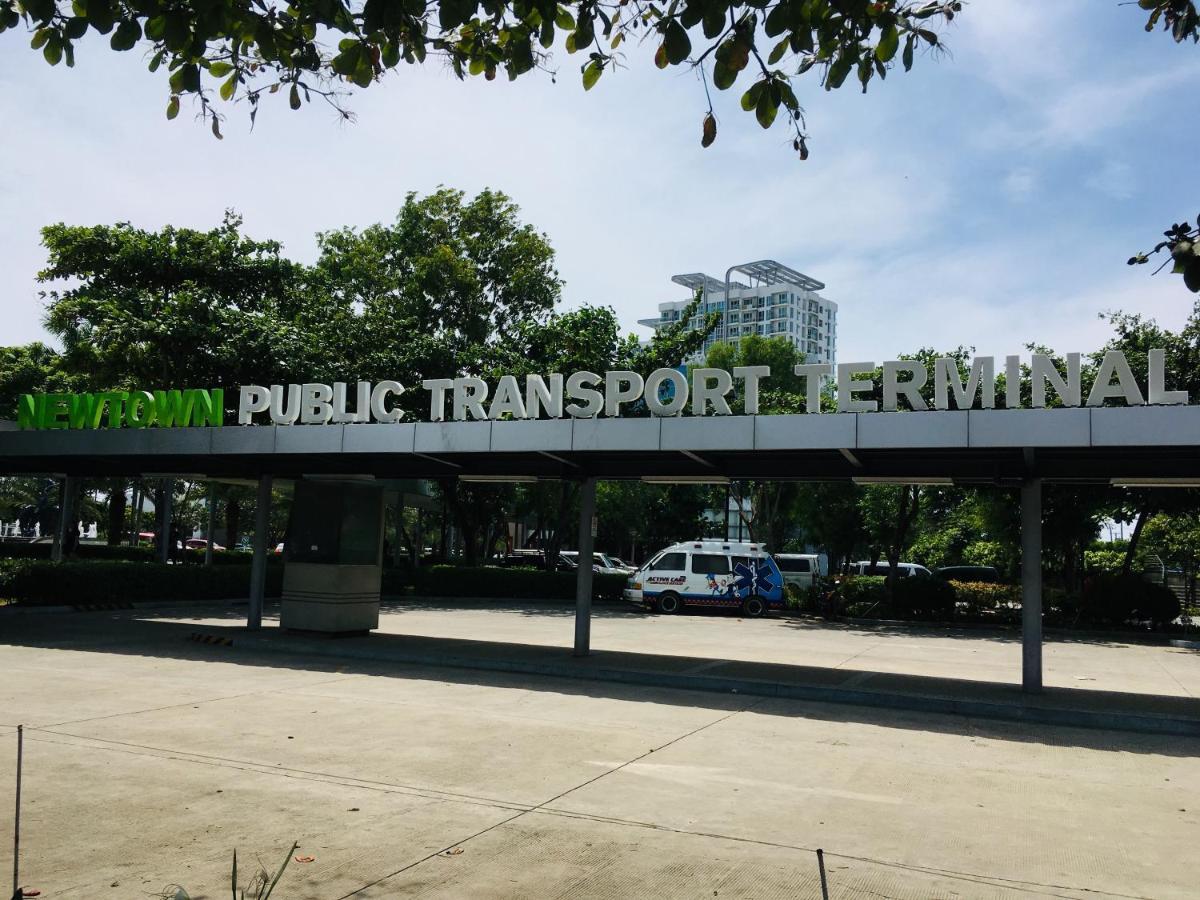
(230, 50)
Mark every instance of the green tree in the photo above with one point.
(176, 308)
(436, 294)
(30, 368)
(171, 308)
(768, 508)
(636, 520)
(829, 516)
(318, 49)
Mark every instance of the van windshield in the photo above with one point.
(668, 562)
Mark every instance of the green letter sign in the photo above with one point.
(114, 409)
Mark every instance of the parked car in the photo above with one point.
(907, 570)
(800, 569)
(719, 574)
(601, 563)
(200, 544)
(985, 574)
(533, 559)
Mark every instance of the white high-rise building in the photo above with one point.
(765, 298)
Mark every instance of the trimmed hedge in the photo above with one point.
(505, 583)
(923, 597)
(35, 582)
(979, 597)
(1118, 599)
(25, 550)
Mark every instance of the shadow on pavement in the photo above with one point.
(871, 697)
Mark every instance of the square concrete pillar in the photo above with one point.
(333, 566)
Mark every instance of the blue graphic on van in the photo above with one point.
(759, 577)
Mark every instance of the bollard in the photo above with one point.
(17, 892)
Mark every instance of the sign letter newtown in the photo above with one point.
(664, 392)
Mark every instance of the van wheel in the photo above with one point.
(669, 603)
(753, 607)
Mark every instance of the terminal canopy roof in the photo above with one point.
(1128, 444)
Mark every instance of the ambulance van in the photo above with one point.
(717, 574)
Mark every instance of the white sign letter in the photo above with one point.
(379, 401)
(946, 376)
(910, 387)
(507, 399)
(704, 394)
(1046, 373)
(813, 374)
(437, 388)
(848, 385)
(679, 392)
(621, 387)
(281, 414)
(581, 386)
(252, 399)
(1158, 381)
(1114, 363)
(316, 408)
(469, 394)
(752, 374)
(538, 396)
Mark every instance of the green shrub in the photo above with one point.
(506, 583)
(26, 550)
(36, 582)
(979, 597)
(806, 599)
(853, 595)
(868, 609)
(923, 597)
(855, 588)
(1103, 560)
(228, 557)
(988, 553)
(1117, 599)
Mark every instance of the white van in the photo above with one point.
(800, 569)
(904, 570)
(723, 574)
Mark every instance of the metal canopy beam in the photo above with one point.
(976, 447)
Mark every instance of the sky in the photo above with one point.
(989, 198)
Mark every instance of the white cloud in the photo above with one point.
(901, 209)
(1115, 178)
(1019, 183)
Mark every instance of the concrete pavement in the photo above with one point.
(150, 757)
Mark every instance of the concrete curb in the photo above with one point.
(568, 602)
(1010, 712)
(103, 607)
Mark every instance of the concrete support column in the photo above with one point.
(397, 555)
(583, 576)
(166, 494)
(1031, 586)
(419, 540)
(135, 517)
(258, 567)
(67, 489)
(210, 522)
